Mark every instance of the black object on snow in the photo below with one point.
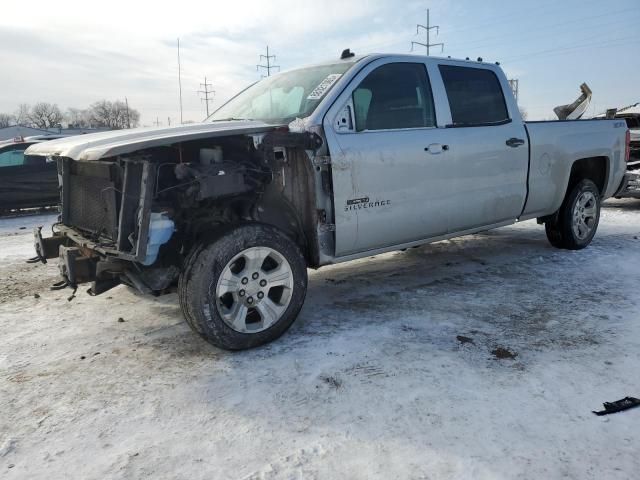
(619, 405)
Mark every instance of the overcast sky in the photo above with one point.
(74, 53)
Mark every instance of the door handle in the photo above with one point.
(436, 148)
(514, 142)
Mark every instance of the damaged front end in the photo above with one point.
(108, 232)
(133, 218)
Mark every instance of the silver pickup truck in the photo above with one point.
(315, 166)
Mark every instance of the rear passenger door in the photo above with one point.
(488, 148)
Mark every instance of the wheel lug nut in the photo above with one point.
(250, 300)
(245, 280)
(260, 295)
(255, 275)
(263, 283)
(241, 293)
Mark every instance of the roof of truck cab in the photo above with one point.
(407, 56)
(414, 56)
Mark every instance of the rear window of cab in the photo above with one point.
(475, 96)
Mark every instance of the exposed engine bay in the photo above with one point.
(133, 218)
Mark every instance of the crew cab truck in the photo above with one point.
(316, 166)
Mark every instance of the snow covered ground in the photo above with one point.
(476, 358)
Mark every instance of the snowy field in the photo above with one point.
(477, 358)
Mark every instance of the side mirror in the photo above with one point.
(343, 123)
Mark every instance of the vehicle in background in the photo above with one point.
(631, 116)
(315, 166)
(26, 181)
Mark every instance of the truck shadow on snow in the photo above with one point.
(506, 293)
(630, 204)
(503, 289)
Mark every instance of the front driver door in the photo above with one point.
(388, 162)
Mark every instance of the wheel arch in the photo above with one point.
(595, 169)
(268, 209)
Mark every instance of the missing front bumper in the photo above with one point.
(82, 261)
(77, 264)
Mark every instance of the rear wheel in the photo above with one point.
(576, 223)
(245, 288)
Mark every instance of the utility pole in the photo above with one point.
(268, 66)
(206, 93)
(180, 80)
(428, 29)
(513, 83)
(157, 122)
(128, 118)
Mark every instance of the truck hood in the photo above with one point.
(94, 146)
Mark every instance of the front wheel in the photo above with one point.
(245, 288)
(575, 224)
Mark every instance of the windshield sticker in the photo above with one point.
(325, 85)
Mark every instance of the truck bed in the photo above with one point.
(556, 144)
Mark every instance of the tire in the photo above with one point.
(576, 222)
(182, 288)
(553, 234)
(245, 288)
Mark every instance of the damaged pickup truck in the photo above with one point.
(315, 166)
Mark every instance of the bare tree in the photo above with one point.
(114, 114)
(100, 113)
(22, 114)
(45, 115)
(6, 120)
(133, 119)
(78, 118)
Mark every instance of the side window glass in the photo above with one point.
(12, 156)
(361, 102)
(475, 96)
(396, 95)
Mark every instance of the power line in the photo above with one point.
(206, 93)
(268, 66)
(427, 29)
(538, 31)
(490, 25)
(596, 44)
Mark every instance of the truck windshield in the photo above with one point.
(283, 97)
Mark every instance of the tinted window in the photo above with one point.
(12, 156)
(475, 96)
(397, 95)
